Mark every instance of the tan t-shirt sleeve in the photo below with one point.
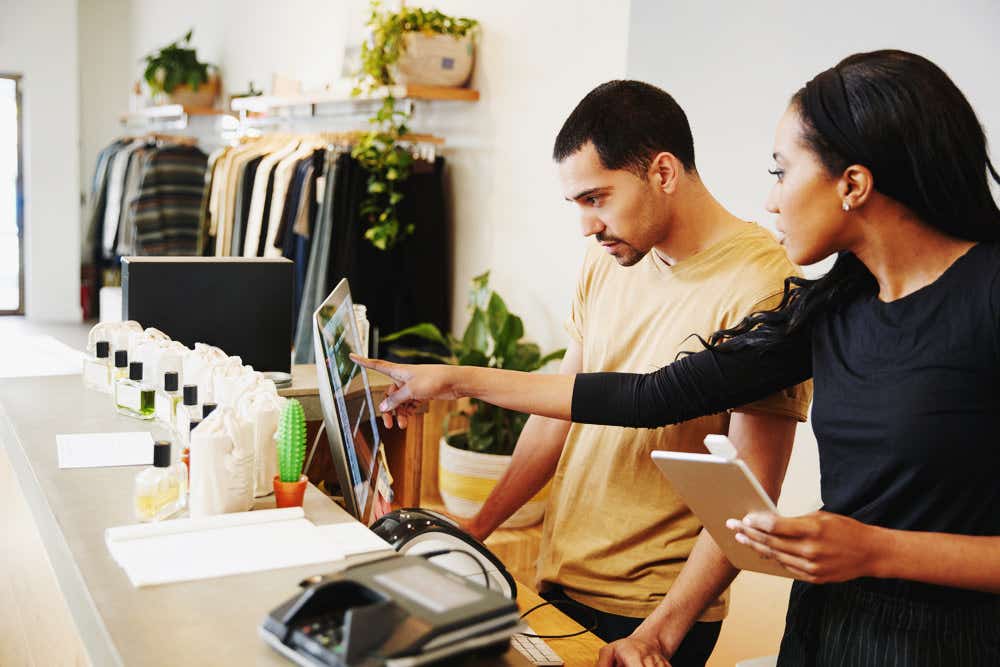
(791, 402)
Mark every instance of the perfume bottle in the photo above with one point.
(133, 397)
(97, 369)
(186, 452)
(188, 410)
(120, 370)
(167, 399)
(160, 490)
(207, 408)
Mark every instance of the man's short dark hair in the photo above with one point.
(629, 123)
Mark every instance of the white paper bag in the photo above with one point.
(198, 366)
(222, 465)
(232, 379)
(262, 408)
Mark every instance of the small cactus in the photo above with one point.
(291, 441)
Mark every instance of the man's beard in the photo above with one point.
(626, 255)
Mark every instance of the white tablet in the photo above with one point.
(717, 488)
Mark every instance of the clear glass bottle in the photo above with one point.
(186, 452)
(161, 490)
(188, 410)
(168, 398)
(120, 370)
(133, 397)
(97, 369)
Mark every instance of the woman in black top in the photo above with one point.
(880, 158)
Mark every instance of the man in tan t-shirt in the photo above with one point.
(672, 263)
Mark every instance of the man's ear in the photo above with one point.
(664, 172)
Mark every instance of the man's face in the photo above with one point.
(616, 207)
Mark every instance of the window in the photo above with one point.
(11, 199)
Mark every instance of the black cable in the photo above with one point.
(442, 552)
(556, 603)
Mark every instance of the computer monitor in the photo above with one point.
(346, 397)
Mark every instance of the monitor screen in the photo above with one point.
(348, 407)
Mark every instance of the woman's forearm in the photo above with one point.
(535, 393)
(959, 561)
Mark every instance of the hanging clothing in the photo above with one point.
(315, 284)
(411, 282)
(115, 195)
(146, 198)
(169, 202)
(260, 201)
(244, 190)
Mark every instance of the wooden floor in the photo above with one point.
(30, 636)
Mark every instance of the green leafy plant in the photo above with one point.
(291, 441)
(175, 65)
(493, 339)
(379, 151)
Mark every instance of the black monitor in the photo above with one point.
(346, 397)
(241, 305)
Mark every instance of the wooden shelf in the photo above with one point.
(265, 103)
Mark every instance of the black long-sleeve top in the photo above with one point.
(907, 395)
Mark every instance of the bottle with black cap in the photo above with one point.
(132, 396)
(161, 490)
(168, 398)
(120, 371)
(97, 369)
(188, 410)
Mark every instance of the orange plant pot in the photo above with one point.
(289, 494)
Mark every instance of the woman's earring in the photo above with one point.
(846, 206)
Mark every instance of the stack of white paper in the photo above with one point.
(218, 546)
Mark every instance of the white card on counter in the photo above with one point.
(353, 538)
(102, 450)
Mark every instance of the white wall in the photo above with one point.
(107, 68)
(733, 66)
(535, 62)
(39, 41)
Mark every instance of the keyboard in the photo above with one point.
(535, 650)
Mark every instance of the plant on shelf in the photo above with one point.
(290, 441)
(379, 150)
(493, 338)
(175, 65)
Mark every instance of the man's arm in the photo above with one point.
(535, 458)
(765, 443)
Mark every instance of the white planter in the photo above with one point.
(465, 480)
(430, 59)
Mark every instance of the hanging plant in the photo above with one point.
(173, 66)
(379, 150)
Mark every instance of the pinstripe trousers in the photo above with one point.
(844, 625)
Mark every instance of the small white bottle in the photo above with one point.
(97, 369)
(168, 399)
(133, 397)
(161, 490)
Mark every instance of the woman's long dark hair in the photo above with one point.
(899, 115)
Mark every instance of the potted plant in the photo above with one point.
(472, 459)
(290, 440)
(176, 73)
(414, 46)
